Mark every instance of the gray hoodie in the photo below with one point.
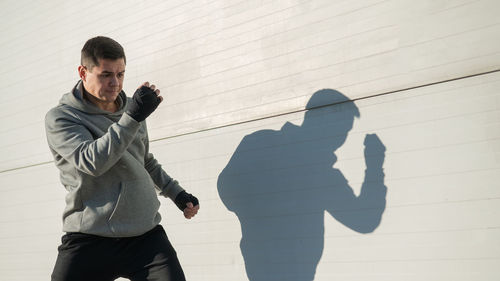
(105, 165)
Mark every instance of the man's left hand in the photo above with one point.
(191, 211)
(188, 204)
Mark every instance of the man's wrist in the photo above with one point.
(183, 198)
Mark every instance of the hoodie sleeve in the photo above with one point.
(71, 140)
(167, 185)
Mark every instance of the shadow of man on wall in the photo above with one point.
(280, 183)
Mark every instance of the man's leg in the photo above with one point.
(155, 259)
(84, 257)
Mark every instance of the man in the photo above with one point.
(99, 141)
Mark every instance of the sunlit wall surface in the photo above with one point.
(326, 140)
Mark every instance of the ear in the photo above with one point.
(82, 72)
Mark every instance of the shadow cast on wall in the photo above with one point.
(280, 183)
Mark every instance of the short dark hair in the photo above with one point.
(101, 47)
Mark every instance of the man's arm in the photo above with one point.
(169, 187)
(74, 142)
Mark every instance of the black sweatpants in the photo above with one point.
(94, 258)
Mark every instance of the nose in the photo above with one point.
(114, 81)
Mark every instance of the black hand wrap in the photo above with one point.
(144, 102)
(183, 198)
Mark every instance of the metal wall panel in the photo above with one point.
(237, 76)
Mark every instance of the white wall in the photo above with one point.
(423, 75)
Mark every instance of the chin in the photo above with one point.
(111, 97)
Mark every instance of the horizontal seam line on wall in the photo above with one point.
(291, 112)
(27, 166)
(326, 105)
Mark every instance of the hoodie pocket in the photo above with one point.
(136, 209)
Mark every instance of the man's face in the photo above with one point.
(105, 81)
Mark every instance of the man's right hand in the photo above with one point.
(145, 100)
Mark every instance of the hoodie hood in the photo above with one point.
(76, 100)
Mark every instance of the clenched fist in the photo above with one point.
(145, 100)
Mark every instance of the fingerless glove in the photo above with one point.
(183, 198)
(144, 102)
